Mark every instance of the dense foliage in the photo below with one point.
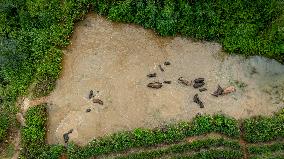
(33, 136)
(32, 33)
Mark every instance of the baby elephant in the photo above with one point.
(155, 85)
(198, 101)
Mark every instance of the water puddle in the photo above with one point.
(115, 59)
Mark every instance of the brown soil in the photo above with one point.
(115, 59)
(10, 149)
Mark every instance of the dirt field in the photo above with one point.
(115, 59)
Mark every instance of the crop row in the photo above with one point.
(184, 147)
(213, 154)
(267, 151)
(263, 129)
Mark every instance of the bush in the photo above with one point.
(122, 12)
(218, 123)
(33, 136)
(167, 19)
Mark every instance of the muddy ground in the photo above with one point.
(114, 59)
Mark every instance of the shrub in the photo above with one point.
(33, 136)
(148, 15)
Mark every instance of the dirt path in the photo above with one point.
(244, 148)
(17, 146)
(114, 59)
(26, 103)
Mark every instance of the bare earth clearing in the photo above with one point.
(115, 59)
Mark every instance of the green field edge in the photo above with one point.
(211, 154)
(181, 148)
(33, 136)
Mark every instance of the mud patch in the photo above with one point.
(115, 60)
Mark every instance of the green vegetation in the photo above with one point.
(184, 147)
(246, 27)
(32, 33)
(3, 126)
(258, 150)
(146, 137)
(262, 129)
(33, 136)
(169, 140)
(212, 154)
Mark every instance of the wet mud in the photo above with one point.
(114, 60)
